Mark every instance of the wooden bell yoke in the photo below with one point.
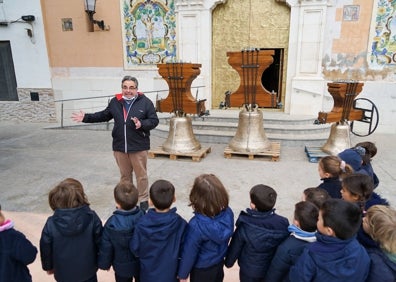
(250, 65)
(344, 94)
(180, 101)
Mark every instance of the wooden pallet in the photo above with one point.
(273, 153)
(195, 156)
(314, 154)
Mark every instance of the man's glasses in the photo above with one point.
(129, 88)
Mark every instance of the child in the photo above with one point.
(317, 196)
(330, 169)
(302, 232)
(370, 151)
(16, 252)
(336, 255)
(208, 231)
(380, 223)
(353, 157)
(118, 230)
(158, 236)
(258, 233)
(357, 188)
(70, 239)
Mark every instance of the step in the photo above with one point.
(269, 126)
(221, 126)
(225, 136)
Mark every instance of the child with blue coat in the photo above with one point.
(336, 255)
(208, 231)
(16, 253)
(259, 231)
(302, 232)
(158, 236)
(380, 224)
(117, 232)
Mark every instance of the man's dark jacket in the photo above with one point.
(126, 138)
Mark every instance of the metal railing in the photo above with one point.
(109, 97)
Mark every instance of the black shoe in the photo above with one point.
(144, 206)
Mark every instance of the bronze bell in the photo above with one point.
(339, 139)
(250, 136)
(181, 138)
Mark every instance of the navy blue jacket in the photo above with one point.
(16, 252)
(331, 259)
(333, 186)
(382, 268)
(286, 256)
(157, 242)
(206, 241)
(375, 199)
(256, 237)
(114, 247)
(126, 138)
(69, 244)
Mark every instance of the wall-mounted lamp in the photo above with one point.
(28, 19)
(90, 10)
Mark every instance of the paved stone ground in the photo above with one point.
(34, 157)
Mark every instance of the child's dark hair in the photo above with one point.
(371, 150)
(306, 213)
(126, 195)
(208, 195)
(69, 193)
(334, 166)
(263, 197)
(315, 195)
(162, 194)
(359, 185)
(343, 217)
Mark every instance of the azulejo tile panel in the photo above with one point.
(149, 32)
(383, 45)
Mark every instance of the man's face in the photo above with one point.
(129, 88)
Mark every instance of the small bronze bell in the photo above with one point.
(339, 139)
(250, 136)
(181, 137)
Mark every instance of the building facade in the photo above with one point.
(315, 42)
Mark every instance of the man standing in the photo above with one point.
(134, 116)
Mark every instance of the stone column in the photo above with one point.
(305, 85)
(194, 28)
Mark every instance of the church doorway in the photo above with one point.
(272, 78)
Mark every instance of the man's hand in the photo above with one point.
(137, 122)
(78, 116)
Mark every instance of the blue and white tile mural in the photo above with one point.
(383, 41)
(149, 32)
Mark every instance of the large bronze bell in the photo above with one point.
(250, 136)
(181, 138)
(339, 139)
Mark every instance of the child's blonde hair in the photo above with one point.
(381, 221)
